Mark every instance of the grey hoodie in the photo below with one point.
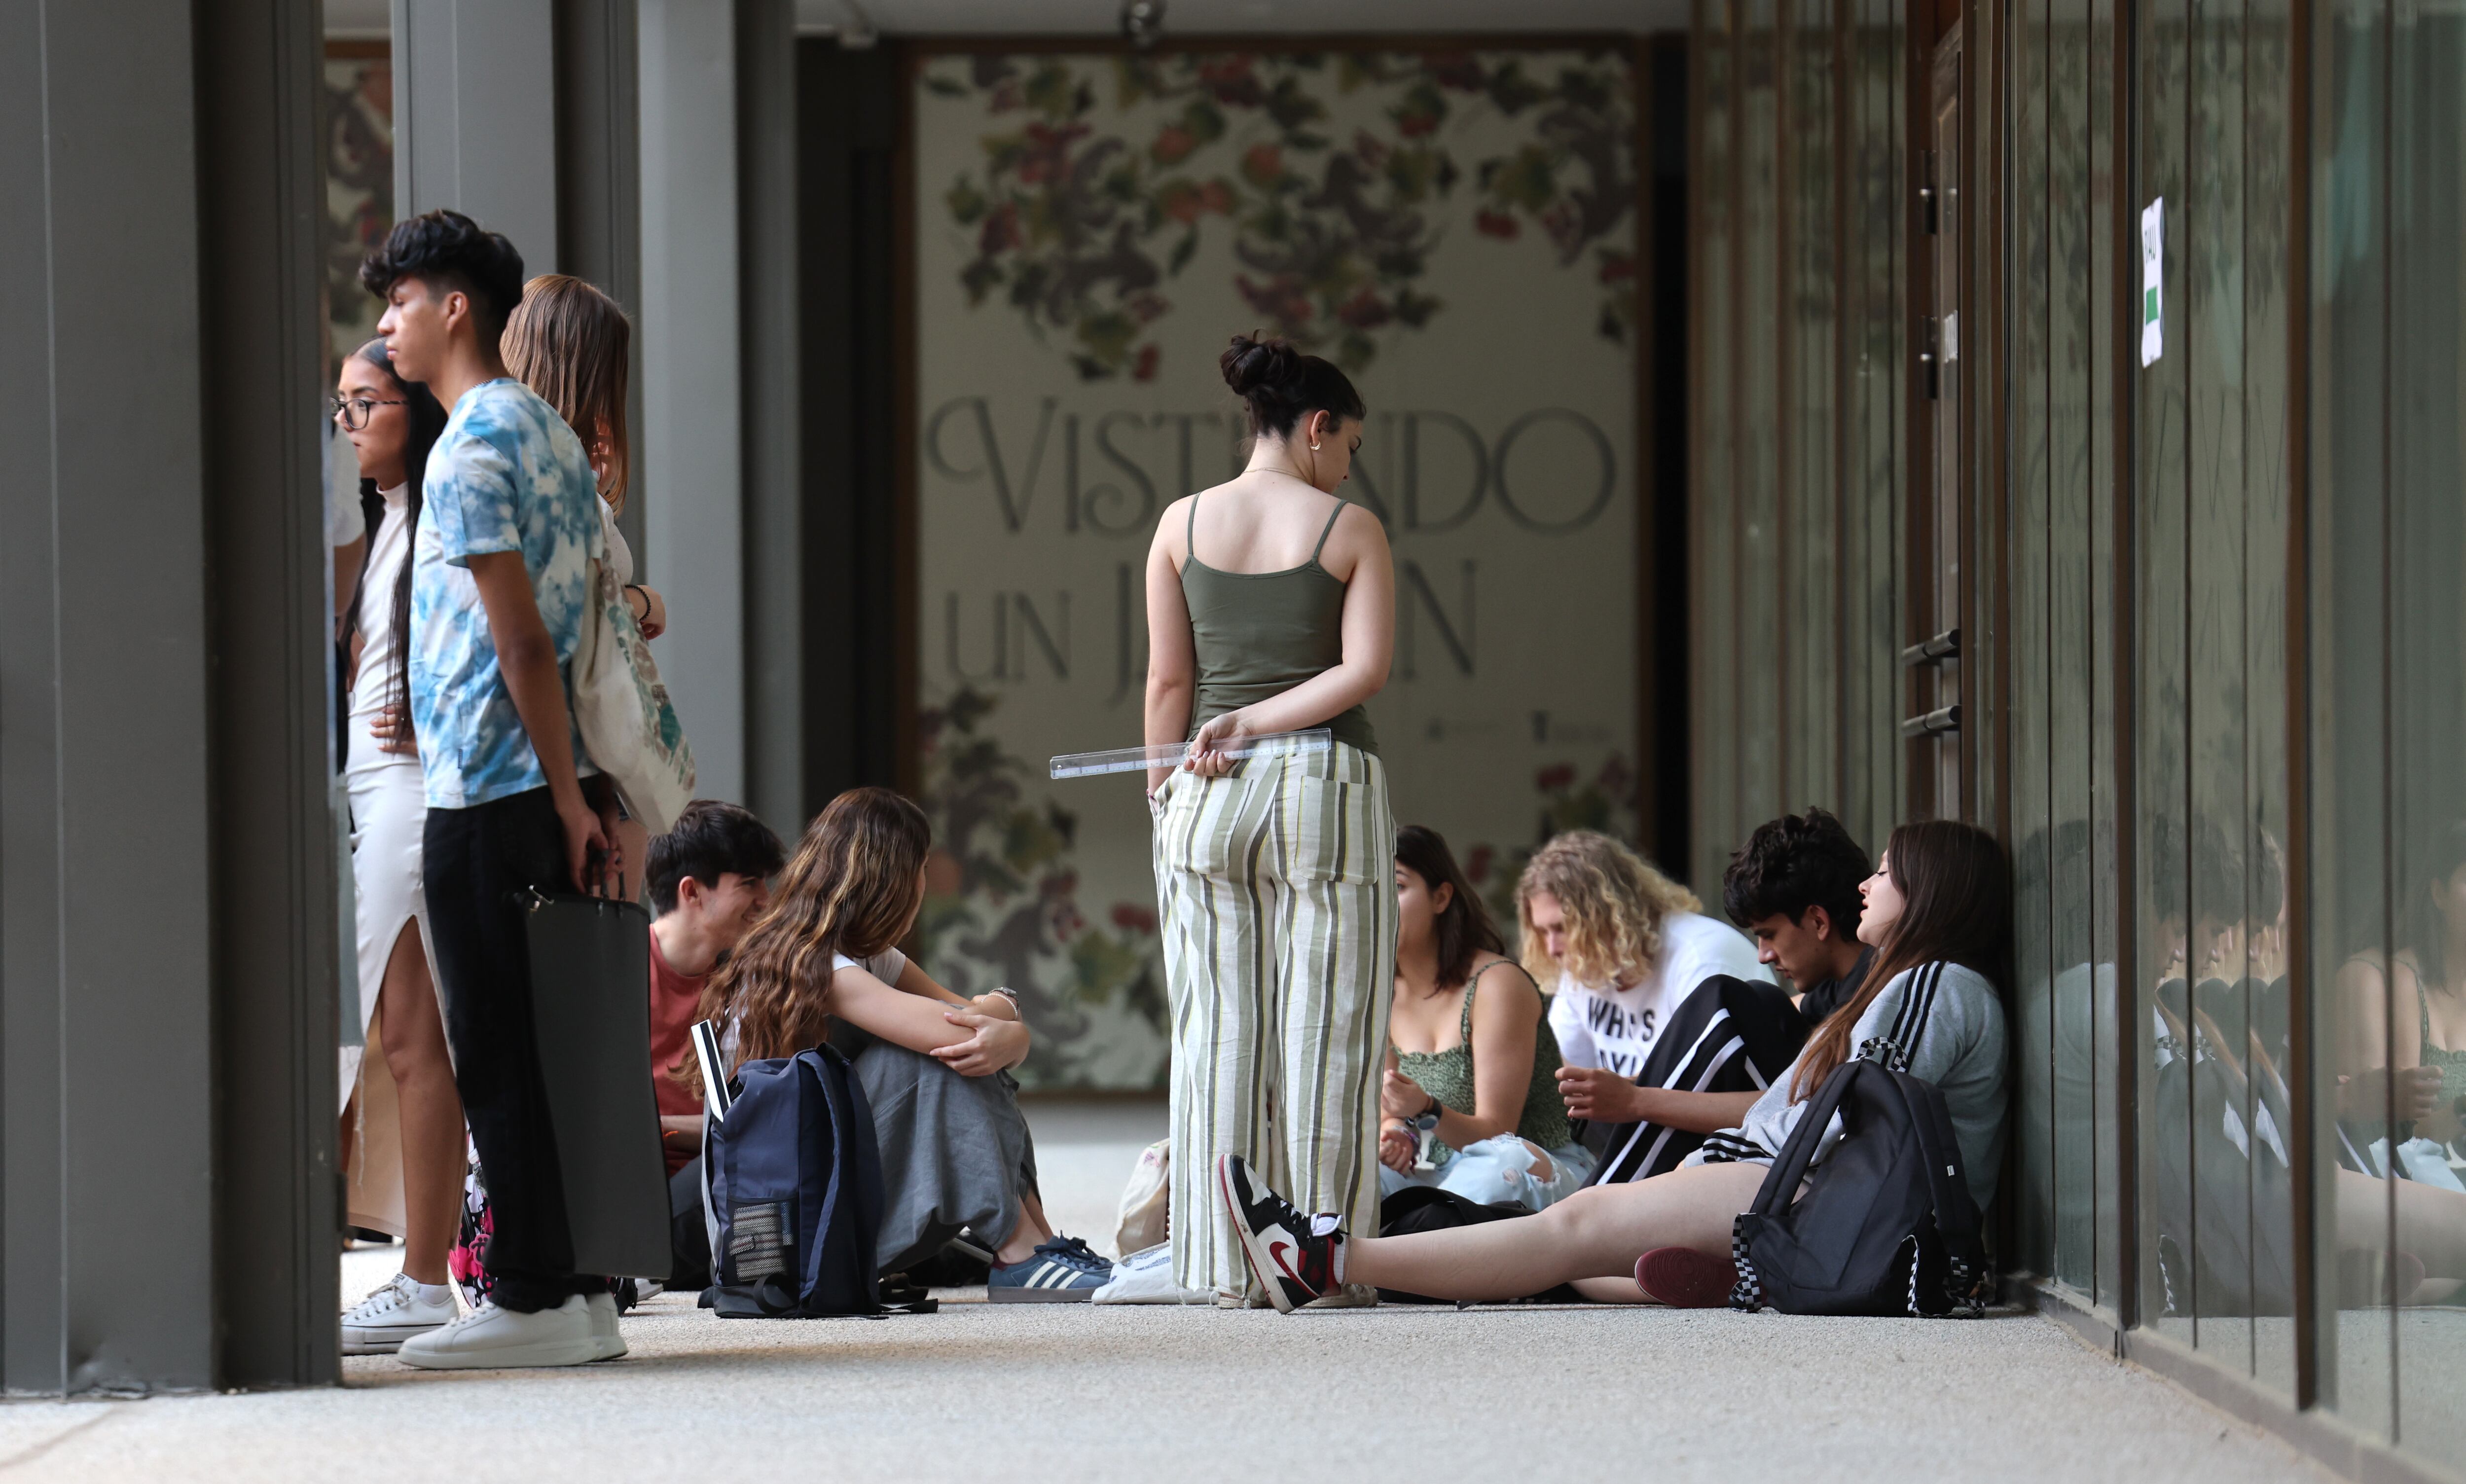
(1945, 1025)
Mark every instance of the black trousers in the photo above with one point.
(479, 867)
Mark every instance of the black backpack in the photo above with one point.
(1886, 1225)
(795, 1190)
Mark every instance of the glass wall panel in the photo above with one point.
(2072, 625)
(1871, 488)
(1755, 454)
(1808, 599)
(2348, 539)
(2030, 994)
(2425, 567)
(2164, 837)
(1712, 338)
(2208, 1019)
(2262, 998)
(2110, 920)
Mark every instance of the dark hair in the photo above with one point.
(427, 421)
(2422, 928)
(1464, 928)
(1283, 386)
(1794, 862)
(448, 249)
(1957, 907)
(710, 840)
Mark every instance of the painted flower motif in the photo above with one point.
(1078, 228)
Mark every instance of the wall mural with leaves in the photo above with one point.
(1458, 231)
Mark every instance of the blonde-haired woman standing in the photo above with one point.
(572, 344)
(1271, 607)
(1624, 946)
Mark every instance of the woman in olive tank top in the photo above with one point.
(1272, 608)
(1472, 1063)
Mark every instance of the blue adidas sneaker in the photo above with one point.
(1060, 1271)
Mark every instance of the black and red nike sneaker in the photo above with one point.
(1293, 1254)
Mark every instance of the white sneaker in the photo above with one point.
(492, 1338)
(606, 1341)
(380, 1323)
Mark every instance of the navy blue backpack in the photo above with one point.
(793, 1181)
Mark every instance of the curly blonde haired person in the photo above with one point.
(1624, 951)
(1611, 902)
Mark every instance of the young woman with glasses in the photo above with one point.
(405, 1133)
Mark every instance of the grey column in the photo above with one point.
(692, 440)
(475, 116)
(166, 938)
(775, 741)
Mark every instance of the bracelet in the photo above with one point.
(1007, 993)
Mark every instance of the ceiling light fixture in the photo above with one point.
(1143, 22)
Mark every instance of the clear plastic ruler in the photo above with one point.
(1171, 755)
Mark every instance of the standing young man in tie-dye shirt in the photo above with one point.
(500, 566)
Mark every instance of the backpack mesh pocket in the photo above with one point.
(761, 1239)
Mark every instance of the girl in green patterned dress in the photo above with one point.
(1479, 1075)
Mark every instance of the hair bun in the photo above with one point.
(1251, 362)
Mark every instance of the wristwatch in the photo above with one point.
(1429, 1118)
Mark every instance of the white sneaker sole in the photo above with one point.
(537, 1354)
(1261, 1263)
(384, 1340)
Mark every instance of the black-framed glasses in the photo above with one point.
(354, 411)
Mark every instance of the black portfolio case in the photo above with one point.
(590, 999)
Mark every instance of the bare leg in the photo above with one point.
(1594, 1233)
(2431, 1222)
(431, 1111)
(1030, 1229)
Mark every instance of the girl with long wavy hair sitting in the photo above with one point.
(822, 965)
(1938, 910)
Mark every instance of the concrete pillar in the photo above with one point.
(692, 445)
(475, 116)
(775, 608)
(167, 876)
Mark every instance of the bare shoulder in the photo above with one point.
(1173, 526)
(1501, 987)
(1357, 537)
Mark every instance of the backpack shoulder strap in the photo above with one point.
(1956, 1210)
(1789, 1167)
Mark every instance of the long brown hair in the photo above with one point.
(1957, 907)
(1464, 929)
(570, 344)
(852, 887)
(1614, 903)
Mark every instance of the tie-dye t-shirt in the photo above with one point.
(507, 475)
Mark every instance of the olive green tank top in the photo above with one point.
(1448, 1076)
(1259, 633)
(2452, 1064)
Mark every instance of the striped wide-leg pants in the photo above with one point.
(1277, 885)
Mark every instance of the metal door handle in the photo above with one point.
(1945, 645)
(1933, 724)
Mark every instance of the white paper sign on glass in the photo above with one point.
(2153, 273)
(1170, 754)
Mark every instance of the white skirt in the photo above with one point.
(389, 823)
